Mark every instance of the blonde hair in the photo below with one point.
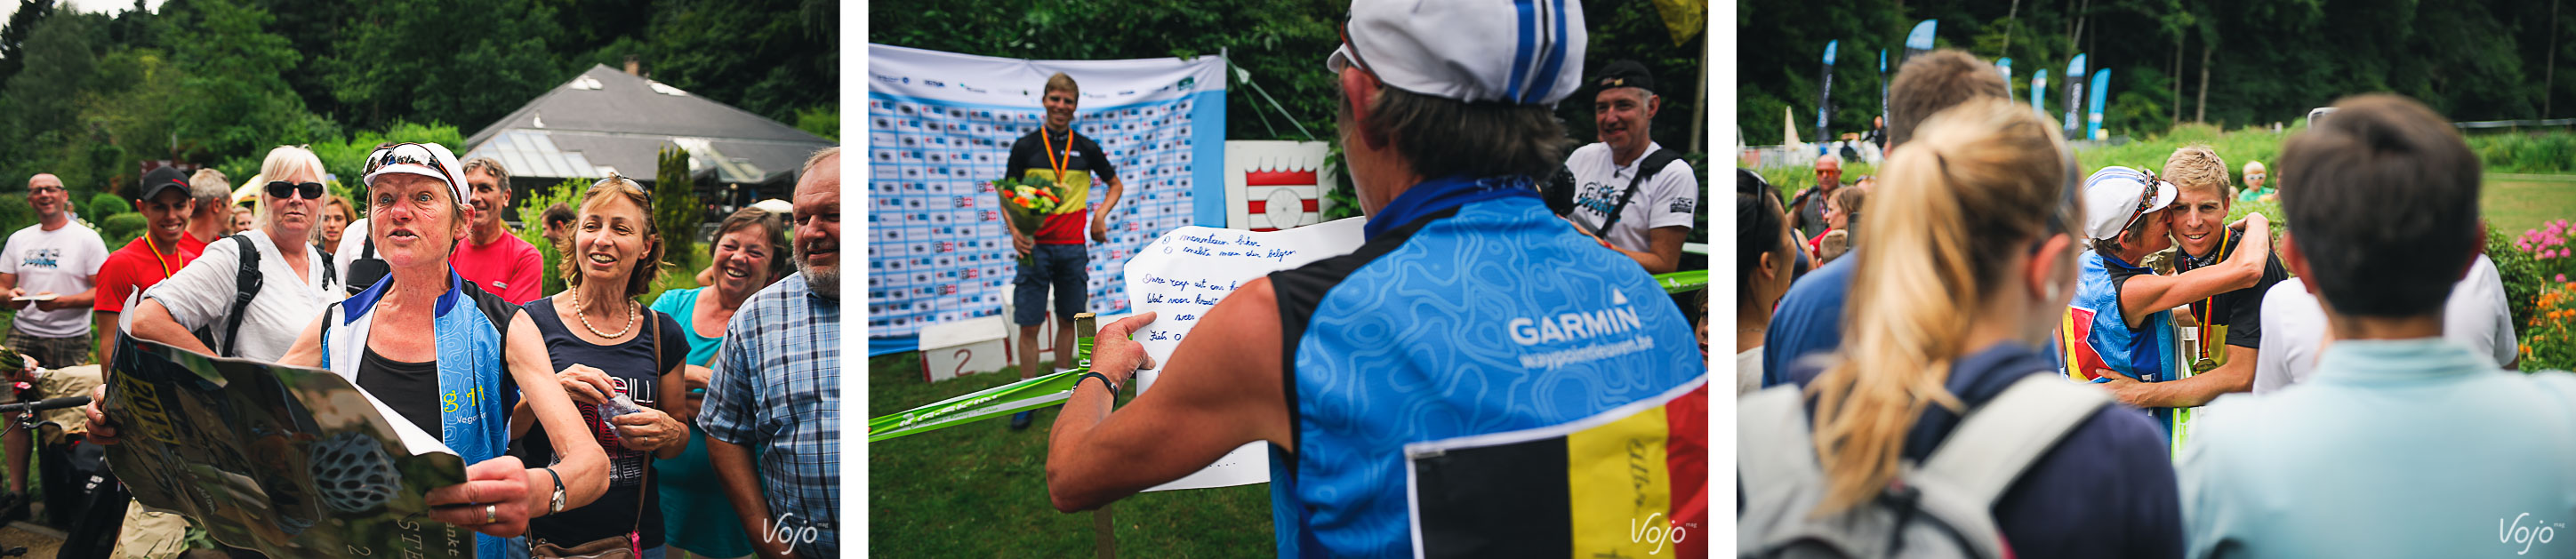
(1061, 82)
(1983, 174)
(282, 162)
(2197, 167)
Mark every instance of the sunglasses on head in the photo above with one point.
(403, 153)
(283, 189)
(1344, 29)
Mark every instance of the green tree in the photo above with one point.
(237, 99)
(673, 213)
(418, 61)
(13, 37)
(822, 121)
(770, 57)
(37, 112)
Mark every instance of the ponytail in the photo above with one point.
(1983, 173)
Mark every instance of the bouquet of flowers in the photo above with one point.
(1028, 202)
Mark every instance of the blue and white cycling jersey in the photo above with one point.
(1470, 310)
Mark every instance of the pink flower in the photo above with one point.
(2562, 278)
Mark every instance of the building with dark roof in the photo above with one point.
(605, 120)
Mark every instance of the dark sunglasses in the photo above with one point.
(283, 189)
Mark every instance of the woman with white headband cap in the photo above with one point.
(432, 348)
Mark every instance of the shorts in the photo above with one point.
(50, 353)
(150, 535)
(1067, 268)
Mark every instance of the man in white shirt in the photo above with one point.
(55, 261)
(2294, 326)
(1645, 217)
(293, 285)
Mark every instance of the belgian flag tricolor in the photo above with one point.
(1628, 482)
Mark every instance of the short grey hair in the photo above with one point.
(488, 165)
(209, 185)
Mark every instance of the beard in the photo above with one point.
(824, 280)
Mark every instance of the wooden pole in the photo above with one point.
(1104, 534)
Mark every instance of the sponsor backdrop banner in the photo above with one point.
(940, 127)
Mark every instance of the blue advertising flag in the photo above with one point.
(2074, 96)
(2101, 89)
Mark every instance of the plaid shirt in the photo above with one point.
(777, 389)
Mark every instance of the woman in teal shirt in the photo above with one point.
(750, 252)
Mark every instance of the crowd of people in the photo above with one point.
(2032, 358)
(737, 379)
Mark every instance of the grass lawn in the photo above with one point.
(2513, 203)
(979, 490)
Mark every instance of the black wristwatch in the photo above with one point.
(557, 505)
(1104, 380)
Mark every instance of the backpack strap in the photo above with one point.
(1998, 440)
(1773, 442)
(1653, 165)
(248, 279)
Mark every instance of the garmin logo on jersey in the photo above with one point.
(1577, 325)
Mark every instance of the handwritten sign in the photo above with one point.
(1186, 272)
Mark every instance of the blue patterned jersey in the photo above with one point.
(1470, 310)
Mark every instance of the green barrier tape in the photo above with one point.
(1027, 394)
(1684, 280)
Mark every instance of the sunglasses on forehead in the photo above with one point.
(283, 189)
(404, 153)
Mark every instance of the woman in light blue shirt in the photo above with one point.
(750, 252)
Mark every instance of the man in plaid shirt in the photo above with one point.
(776, 388)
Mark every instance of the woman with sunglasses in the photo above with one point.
(1944, 324)
(292, 286)
(750, 251)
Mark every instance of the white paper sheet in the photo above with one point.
(1183, 274)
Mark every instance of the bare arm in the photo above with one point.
(81, 300)
(153, 322)
(1108, 201)
(2147, 293)
(579, 460)
(9, 284)
(103, 323)
(2235, 376)
(742, 488)
(1663, 252)
(1221, 390)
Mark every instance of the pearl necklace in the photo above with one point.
(594, 330)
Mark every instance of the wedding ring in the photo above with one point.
(491, 514)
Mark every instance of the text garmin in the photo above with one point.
(1577, 326)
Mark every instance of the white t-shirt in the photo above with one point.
(202, 293)
(1667, 198)
(63, 261)
(2294, 326)
(1748, 372)
(353, 240)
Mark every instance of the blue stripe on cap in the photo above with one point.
(1545, 80)
(1521, 58)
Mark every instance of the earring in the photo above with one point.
(2054, 290)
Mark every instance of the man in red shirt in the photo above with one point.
(166, 204)
(493, 258)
